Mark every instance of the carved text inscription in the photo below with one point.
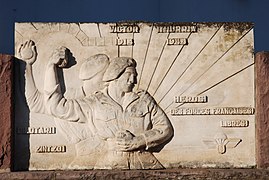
(176, 28)
(124, 29)
(36, 130)
(191, 99)
(51, 149)
(213, 111)
(234, 123)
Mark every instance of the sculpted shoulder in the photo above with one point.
(98, 95)
(94, 96)
(144, 95)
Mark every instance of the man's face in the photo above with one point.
(127, 80)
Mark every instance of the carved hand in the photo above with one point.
(128, 142)
(59, 57)
(27, 52)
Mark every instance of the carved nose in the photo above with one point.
(132, 79)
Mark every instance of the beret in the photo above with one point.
(93, 65)
(117, 66)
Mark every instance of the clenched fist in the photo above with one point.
(126, 141)
(59, 57)
(27, 52)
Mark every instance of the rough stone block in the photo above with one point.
(262, 109)
(6, 111)
(183, 174)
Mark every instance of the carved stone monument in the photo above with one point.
(134, 95)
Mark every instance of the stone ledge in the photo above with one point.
(142, 174)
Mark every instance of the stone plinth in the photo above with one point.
(142, 174)
(6, 105)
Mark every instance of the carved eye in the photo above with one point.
(140, 113)
(133, 109)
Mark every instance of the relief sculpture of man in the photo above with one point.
(128, 125)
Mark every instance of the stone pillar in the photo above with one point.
(6, 109)
(262, 109)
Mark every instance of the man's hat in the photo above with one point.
(117, 66)
(93, 65)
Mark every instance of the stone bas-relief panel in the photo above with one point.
(134, 95)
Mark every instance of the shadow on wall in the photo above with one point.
(21, 115)
(23, 126)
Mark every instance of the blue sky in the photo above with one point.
(255, 11)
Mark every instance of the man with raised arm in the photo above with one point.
(129, 124)
(91, 73)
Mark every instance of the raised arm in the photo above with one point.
(27, 53)
(56, 104)
(57, 59)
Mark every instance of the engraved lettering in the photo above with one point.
(31, 130)
(40, 130)
(177, 41)
(124, 29)
(190, 111)
(39, 149)
(51, 149)
(124, 42)
(176, 29)
(36, 130)
(191, 99)
(213, 111)
(233, 111)
(234, 123)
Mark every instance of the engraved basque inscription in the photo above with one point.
(124, 42)
(124, 29)
(176, 29)
(36, 130)
(234, 123)
(51, 149)
(191, 99)
(177, 41)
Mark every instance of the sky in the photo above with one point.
(255, 11)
